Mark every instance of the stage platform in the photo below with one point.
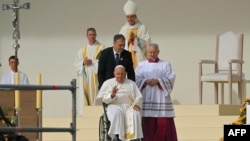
(193, 123)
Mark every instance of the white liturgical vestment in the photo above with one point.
(137, 47)
(156, 99)
(124, 120)
(87, 75)
(9, 78)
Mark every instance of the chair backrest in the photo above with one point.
(228, 46)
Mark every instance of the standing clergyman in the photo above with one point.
(136, 34)
(86, 64)
(155, 78)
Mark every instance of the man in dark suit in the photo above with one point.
(107, 60)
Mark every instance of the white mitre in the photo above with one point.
(130, 8)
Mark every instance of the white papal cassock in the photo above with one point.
(124, 120)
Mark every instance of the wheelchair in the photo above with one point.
(104, 125)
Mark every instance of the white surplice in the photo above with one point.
(156, 99)
(124, 120)
(9, 78)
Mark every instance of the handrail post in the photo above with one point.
(73, 125)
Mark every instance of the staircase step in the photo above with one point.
(93, 111)
(181, 110)
(189, 133)
(81, 135)
(199, 121)
(206, 110)
(200, 133)
(193, 123)
(204, 121)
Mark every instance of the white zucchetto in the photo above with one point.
(130, 8)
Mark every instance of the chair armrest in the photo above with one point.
(207, 62)
(236, 61)
(213, 62)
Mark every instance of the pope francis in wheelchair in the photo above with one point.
(122, 105)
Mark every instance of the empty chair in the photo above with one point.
(227, 66)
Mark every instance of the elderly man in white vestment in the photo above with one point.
(124, 104)
(155, 78)
(136, 34)
(86, 64)
(9, 77)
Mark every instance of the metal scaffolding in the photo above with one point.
(71, 129)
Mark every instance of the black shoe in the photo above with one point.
(116, 138)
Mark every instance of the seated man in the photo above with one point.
(124, 101)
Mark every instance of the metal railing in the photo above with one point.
(71, 129)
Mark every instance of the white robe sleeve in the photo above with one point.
(24, 79)
(7, 79)
(143, 34)
(104, 93)
(95, 62)
(95, 65)
(78, 63)
(140, 80)
(167, 81)
(123, 30)
(137, 96)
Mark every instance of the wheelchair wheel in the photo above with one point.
(103, 129)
